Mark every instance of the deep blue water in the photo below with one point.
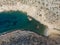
(13, 20)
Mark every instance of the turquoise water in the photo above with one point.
(13, 20)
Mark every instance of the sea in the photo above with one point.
(18, 20)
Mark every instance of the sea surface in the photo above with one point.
(18, 20)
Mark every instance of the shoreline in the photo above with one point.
(32, 11)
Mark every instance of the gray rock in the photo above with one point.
(25, 38)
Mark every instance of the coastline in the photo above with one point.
(32, 10)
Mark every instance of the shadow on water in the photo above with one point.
(14, 20)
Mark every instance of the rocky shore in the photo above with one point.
(26, 38)
(46, 12)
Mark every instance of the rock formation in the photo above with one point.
(26, 38)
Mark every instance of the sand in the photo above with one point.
(41, 10)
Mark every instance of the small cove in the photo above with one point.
(18, 20)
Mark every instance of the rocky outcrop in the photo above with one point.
(26, 38)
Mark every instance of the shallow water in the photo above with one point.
(13, 20)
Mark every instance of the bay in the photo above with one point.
(18, 20)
